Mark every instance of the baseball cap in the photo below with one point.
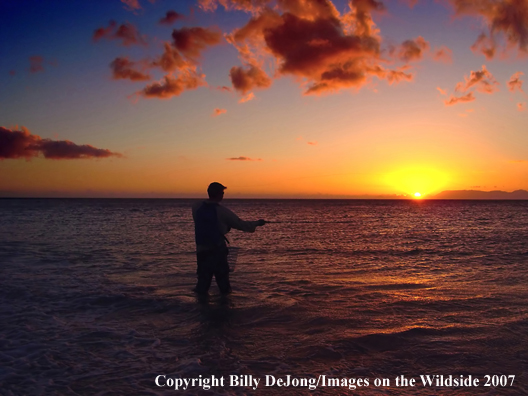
(215, 188)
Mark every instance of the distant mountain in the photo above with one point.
(475, 194)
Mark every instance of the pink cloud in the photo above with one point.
(243, 159)
(127, 33)
(521, 106)
(515, 82)
(481, 80)
(171, 60)
(443, 54)
(247, 98)
(461, 99)
(171, 86)
(22, 144)
(218, 112)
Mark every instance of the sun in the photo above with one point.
(416, 182)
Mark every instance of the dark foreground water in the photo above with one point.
(95, 299)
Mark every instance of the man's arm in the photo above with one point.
(231, 220)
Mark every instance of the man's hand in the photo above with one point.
(261, 222)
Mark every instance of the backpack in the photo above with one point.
(206, 227)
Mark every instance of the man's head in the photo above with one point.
(216, 191)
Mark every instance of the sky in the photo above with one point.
(272, 98)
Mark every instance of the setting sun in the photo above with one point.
(411, 180)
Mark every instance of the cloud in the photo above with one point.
(443, 54)
(22, 144)
(251, 77)
(481, 80)
(485, 46)
(217, 112)
(442, 91)
(521, 106)
(192, 41)
(127, 33)
(515, 82)
(312, 143)
(247, 98)
(413, 49)
(131, 5)
(35, 64)
(311, 41)
(12, 72)
(171, 17)
(507, 19)
(122, 68)
(240, 5)
(171, 86)
(171, 60)
(461, 99)
(243, 159)
(224, 88)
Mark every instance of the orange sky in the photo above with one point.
(273, 98)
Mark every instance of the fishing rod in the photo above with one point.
(307, 222)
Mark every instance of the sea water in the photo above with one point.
(334, 297)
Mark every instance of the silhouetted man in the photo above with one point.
(211, 222)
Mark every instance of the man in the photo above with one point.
(211, 222)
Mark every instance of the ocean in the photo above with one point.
(389, 297)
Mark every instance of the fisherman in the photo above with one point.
(211, 222)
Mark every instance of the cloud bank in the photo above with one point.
(22, 144)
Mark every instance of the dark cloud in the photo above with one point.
(311, 41)
(127, 33)
(122, 68)
(22, 144)
(171, 17)
(192, 41)
(412, 50)
(36, 64)
(505, 19)
(460, 99)
(246, 79)
(243, 159)
(134, 5)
